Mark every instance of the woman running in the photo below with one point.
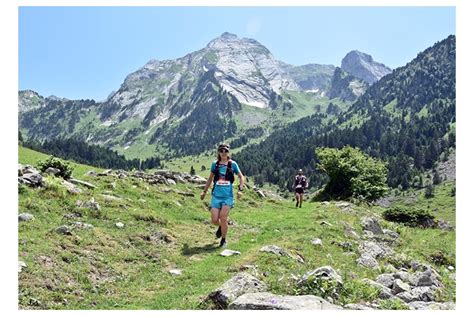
(222, 174)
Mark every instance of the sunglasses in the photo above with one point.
(223, 151)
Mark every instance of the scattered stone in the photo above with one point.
(343, 204)
(21, 265)
(31, 177)
(445, 225)
(371, 224)
(317, 242)
(64, 230)
(111, 198)
(71, 188)
(385, 279)
(450, 268)
(105, 172)
(390, 233)
(417, 305)
(228, 253)
(52, 171)
(82, 225)
(400, 286)
(84, 183)
(91, 173)
(368, 261)
(25, 217)
(325, 203)
(240, 284)
(92, 204)
(269, 301)
(385, 292)
(325, 223)
(405, 296)
(198, 180)
(357, 307)
(260, 194)
(190, 194)
(170, 181)
(119, 225)
(375, 250)
(325, 273)
(274, 249)
(175, 271)
(423, 293)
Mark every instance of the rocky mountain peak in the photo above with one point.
(363, 66)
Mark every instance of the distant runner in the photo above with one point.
(299, 186)
(222, 174)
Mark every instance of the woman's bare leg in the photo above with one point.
(224, 213)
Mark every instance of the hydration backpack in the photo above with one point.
(229, 173)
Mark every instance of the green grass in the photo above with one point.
(111, 268)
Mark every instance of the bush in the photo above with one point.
(429, 191)
(410, 216)
(65, 169)
(352, 173)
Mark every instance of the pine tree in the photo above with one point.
(192, 171)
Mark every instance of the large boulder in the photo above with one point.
(266, 301)
(385, 279)
(238, 285)
(374, 249)
(84, 183)
(371, 224)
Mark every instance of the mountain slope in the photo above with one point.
(406, 118)
(166, 227)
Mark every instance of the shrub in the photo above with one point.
(352, 173)
(410, 216)
(65, 169)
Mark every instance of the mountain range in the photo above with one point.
(187, 105)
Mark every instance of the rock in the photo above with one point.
(25, 217)
(240, 284)
(111, 198)
(105, 172)
(325, 223)
(170, 181)
(84, 183)
(21, 265)
(371, 224)
(64, 230)
(198, 180)
(274, 249)
(404, 276)
(405, 296)
(423, 293)
(33, 179)
(343, 204)
(417, 305)
(52, 171)
(426, 278)
(357, 307)
(317, 242)
(20, 169)
(91, 173)
(385, 292)
(450, 268)
(190, 194)
(260, 194)
(390, 233)
(119, 225)
(92, 204)
(385, 279)
(325, 273)
(399, 286)
(82, 225)
(228, 253)
(175, 271)
(325, 203)
(374, 249)
(269, 301)
(445, 225)
(71, 188)
(368, 261)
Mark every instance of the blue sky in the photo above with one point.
(86, 52)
